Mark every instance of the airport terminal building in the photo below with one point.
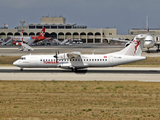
(57, 28)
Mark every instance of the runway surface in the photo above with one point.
(90, 74)
(144, 74)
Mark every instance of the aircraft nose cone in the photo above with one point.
(15, 63)
(147, 44)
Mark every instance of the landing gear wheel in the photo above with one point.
(21, 69)
(158, 48)
(72, 69)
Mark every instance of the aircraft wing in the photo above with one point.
(57, 41)
(30, 42)
(115, 39)
(25, 47)
(119, 40)
(64, 41)
(157, 43)
(71, 55)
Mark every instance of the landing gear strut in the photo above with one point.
(148, 50)
(74, 69)
(158, 48)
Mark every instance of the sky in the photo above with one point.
(120, 14)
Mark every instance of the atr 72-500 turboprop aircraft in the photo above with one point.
(74, 60)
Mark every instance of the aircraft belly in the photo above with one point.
(99, 64)
(118, 60)
(48, 65)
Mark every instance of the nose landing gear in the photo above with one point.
(21, 69)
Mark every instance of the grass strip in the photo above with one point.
(28, 100)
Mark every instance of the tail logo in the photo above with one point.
(42, 34)
(137, 44)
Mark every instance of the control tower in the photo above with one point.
(56, 20)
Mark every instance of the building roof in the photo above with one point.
(51, 24)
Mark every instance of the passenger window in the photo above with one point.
(97, 59)
(43, 59)
(105, 59)
(40, 59)
(89, 59)
(92, 59)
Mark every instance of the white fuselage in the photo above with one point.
(19, 39)
(48, 61)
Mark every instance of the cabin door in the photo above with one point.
(110, 61)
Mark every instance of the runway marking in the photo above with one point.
(88, 50)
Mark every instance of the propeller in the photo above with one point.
(56, 56)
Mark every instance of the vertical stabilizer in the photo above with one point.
(41, 35)
(147, 25)
(135, 48)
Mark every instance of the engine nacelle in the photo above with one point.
(62, 56)
(65, 66)
(18, 43)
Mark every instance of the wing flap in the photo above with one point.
(72, 55)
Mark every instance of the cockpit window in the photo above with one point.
(22, 58)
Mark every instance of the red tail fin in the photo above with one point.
(41, 35)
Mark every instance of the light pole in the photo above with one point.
(22, 22)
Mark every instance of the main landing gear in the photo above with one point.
(74, 69)
(148, 50)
